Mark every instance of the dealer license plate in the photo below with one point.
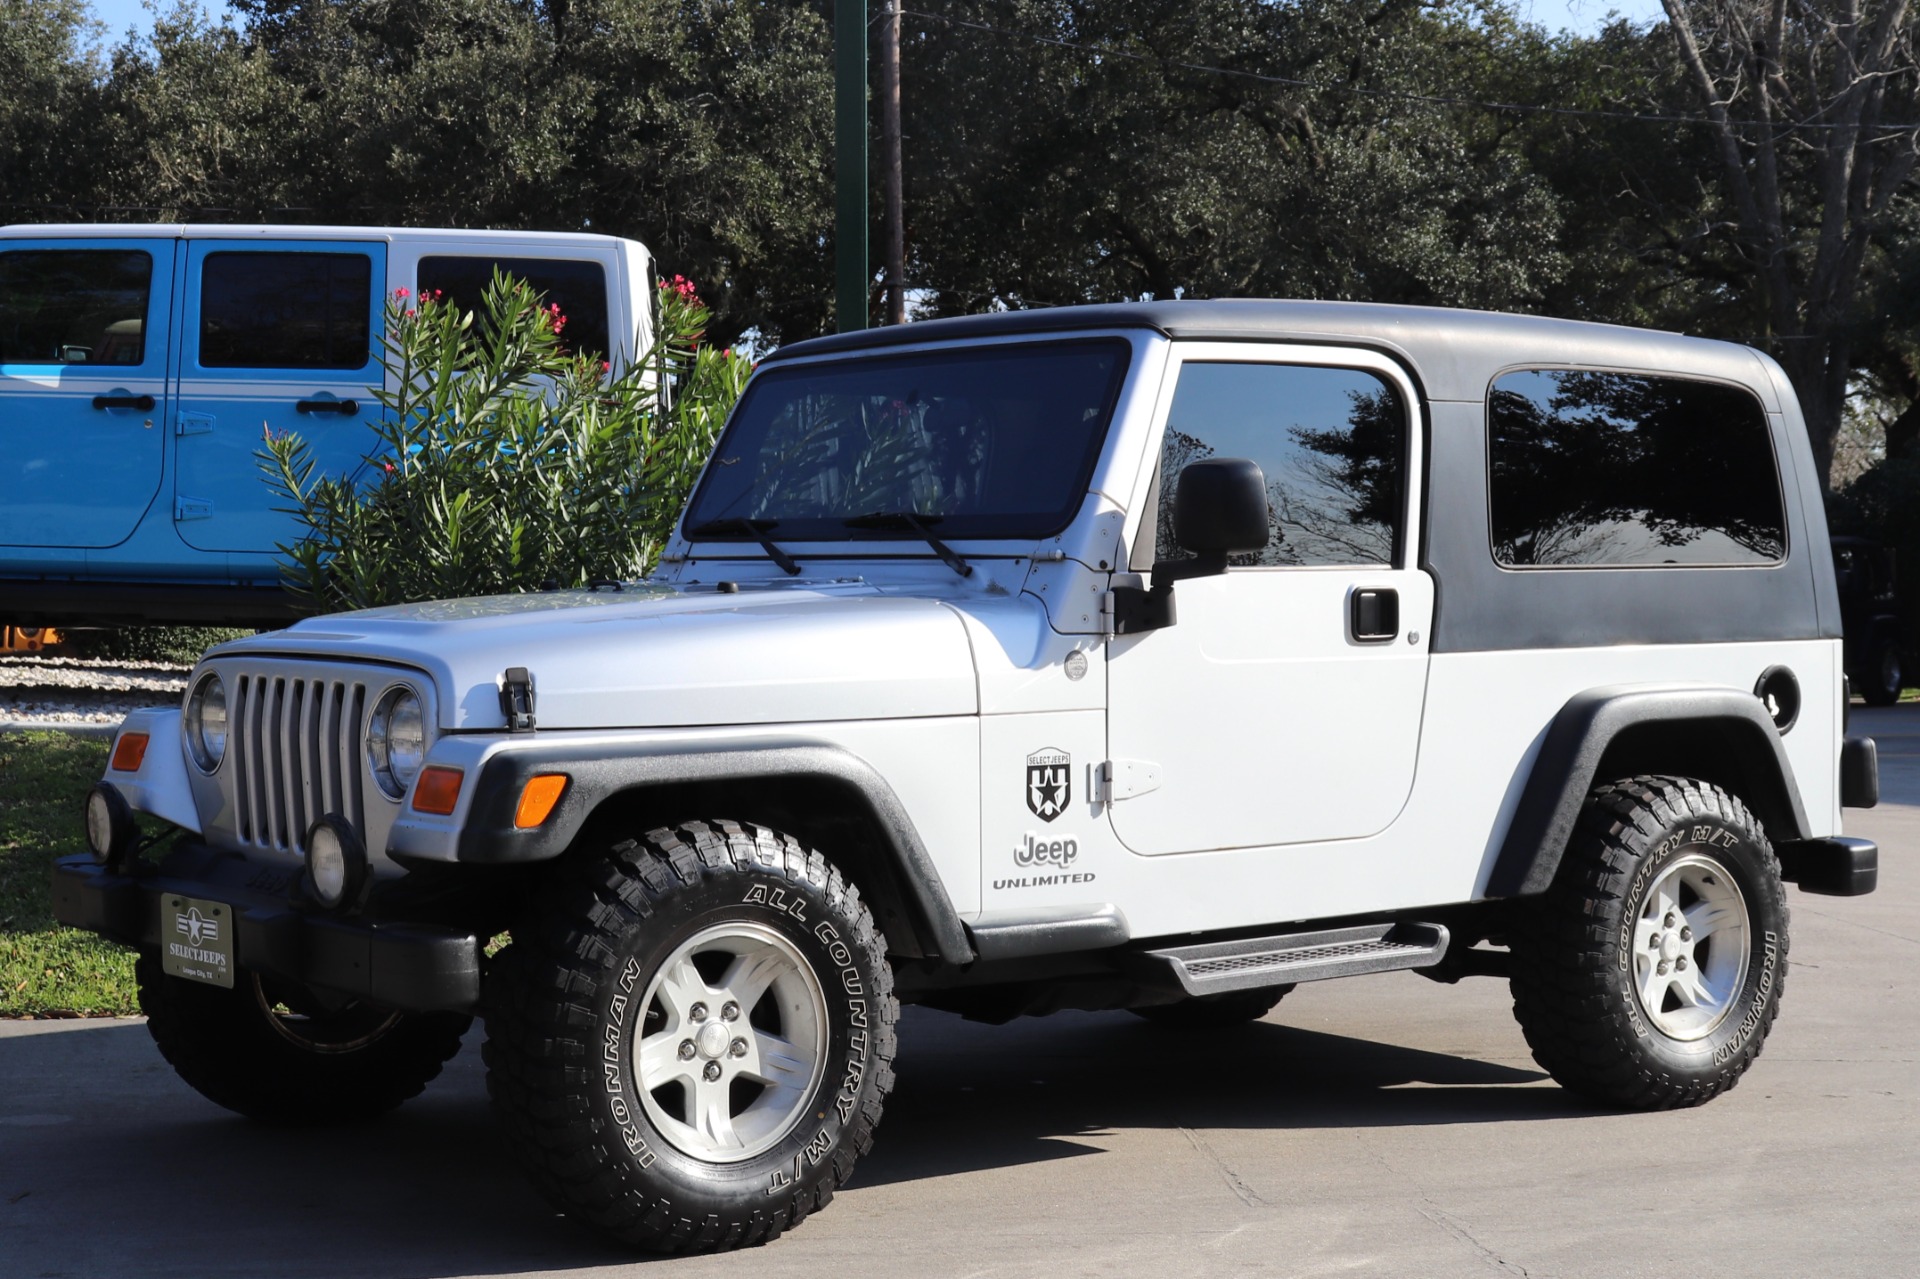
(196, 940)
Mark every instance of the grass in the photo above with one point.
(47, 970)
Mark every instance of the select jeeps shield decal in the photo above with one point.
(1049, 782)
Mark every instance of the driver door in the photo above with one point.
(1284, 704)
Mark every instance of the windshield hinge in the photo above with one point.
(516, 699)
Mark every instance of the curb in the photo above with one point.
(77, 730)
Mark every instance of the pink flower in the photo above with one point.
(409, 313)
(402, 294)
(389, 467)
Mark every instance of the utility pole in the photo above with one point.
(890, 158)
(850, 163)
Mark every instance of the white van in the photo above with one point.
(140, 365)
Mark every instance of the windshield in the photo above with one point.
(981, 442)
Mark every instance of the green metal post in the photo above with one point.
(851, 276)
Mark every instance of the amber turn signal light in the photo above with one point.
(437, 790)
(542, 792)
(128, 752)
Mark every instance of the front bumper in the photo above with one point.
(413, 966)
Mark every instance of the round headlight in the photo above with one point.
(206, 722)
(397, 741)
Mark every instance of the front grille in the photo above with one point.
(295, 744)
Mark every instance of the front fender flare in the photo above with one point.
(482, 830)
(1576, 742)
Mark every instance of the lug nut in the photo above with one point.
(1686, 934)
(739, 1048)
(686, 1050)
(1662, 969)
(730, 1011)
(1669, 919)
(1681, 963)
(1653, 942)
(698, 1012)
(712, 1072)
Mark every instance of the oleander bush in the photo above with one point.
(505, 462)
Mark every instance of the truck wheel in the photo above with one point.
(1648, 975)
(1884, 677)
(285, 1055)
(1214, 1012)
(691, 1036)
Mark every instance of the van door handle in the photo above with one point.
(142, 402)
(345, 408)
(1374, 615)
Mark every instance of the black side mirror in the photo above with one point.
(1219, 506)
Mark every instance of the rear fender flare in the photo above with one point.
(1620, 730)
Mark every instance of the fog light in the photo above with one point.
(110, 828)
(336, 864)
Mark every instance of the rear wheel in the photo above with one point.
(691, 1037)
(284, 1054)
(1650, 972)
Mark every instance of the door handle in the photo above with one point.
(1373, 615)
(142, 402)
(345, 408)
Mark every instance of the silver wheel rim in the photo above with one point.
(725, 1060)
(1690, 948)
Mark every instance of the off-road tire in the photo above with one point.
(1214, 1012)
(568, 1005)
(1578, 974)
(1884, 678)
(328, 1067)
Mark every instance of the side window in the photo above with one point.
(579, 289)
(74, 306)
(1331, 442)
(286, 311)
(1625, 470)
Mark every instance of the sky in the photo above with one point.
(1585, 16)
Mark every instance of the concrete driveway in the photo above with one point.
(1380, 1126)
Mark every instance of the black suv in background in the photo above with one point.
(1870, 612)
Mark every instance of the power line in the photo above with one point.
(1427, 99)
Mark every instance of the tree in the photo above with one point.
(1815, 123)
(1093, 150)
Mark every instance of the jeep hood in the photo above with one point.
(658, 656)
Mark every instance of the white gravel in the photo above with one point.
(59, 692)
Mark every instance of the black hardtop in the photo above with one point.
(1452, 354)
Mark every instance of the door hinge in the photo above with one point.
(192, 508)
(192, 423)
(516, 699)
(1131, 610)
(1118, 779)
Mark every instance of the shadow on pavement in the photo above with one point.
(973, 1097)
(145, 1178)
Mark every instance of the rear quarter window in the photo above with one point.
(1625, 470)
(578, 288)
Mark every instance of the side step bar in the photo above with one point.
(1217, 968)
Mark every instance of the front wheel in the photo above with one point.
(1650, 972)
(691, 1037)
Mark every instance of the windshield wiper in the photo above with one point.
(914, 522)
(756, 529)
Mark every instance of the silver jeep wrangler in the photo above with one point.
(1152, 657)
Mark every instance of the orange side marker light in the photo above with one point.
(542, 792)
(438, 790)
(128, 752)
